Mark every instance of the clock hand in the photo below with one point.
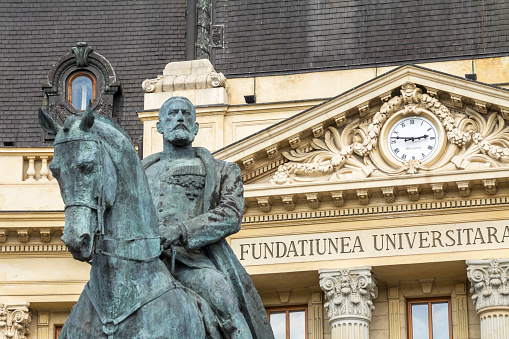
(421, 137)
(411, 138)
(405, 138)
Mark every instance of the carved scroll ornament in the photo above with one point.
(348, 293)
(14, 321)
(490, 285)
(474, 141)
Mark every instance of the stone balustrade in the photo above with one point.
(25, 164)
(37, 168)
(26, 180)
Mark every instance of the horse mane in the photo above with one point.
(131, 177)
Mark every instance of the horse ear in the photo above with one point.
(47, 123)
(88, 118)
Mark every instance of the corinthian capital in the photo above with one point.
(14, 320)
(349, 293)
(490, 285)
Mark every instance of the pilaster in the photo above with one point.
(14, 320)
(394, 311)
(317, 315)
(490, 288)
(349, 294)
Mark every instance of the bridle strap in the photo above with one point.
(84, 204)
(148, 244)
(121, 257)
(100, 207)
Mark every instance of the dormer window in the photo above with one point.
(76, 78)
(81, 89)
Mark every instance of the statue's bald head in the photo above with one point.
(173, 101)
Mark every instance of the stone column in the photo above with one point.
(349, 294)
(14, 320)
(490, 288)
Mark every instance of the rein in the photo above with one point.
(129, 244)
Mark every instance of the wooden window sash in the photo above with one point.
(58, 329)
(287, 310)
(69, 86)
(429, 302)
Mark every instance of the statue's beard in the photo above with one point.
(180, 137)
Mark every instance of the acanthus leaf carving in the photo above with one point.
(349, 292)
(14, 321)
(351, 151)
(489, 282)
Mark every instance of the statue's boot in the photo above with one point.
(237, 328)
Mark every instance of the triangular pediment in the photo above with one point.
(359, 143)
(350, 128)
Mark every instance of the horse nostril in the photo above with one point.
(85, 240)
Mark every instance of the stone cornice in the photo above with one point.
(329, 214)
(376, 184)
(228, 110)
(26, 151)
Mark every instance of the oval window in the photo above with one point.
(81, 89)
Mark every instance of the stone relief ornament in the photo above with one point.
(348, 292)
(14, 321)
(489, 283)
(81, 52)
(467, 140)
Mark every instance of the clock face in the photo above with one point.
(413, 138)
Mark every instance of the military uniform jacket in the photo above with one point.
(223, 208)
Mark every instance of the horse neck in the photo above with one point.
(133, 213)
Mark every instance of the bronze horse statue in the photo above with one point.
(111, 222)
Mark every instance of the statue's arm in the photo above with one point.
(224, 219)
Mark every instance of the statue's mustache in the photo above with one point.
(180, 126)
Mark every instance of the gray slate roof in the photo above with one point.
(290, 35)
(261, 37)
(138, 37)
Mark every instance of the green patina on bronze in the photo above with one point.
(199, 201)
(111, 222)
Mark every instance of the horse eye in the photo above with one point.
(86, 167)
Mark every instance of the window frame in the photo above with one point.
(58, 329)
(287, 309)
(429, 301)
(69, 87)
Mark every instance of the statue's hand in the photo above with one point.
(171, 235)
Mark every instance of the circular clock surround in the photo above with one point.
(419, 137)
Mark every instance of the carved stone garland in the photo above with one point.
(490, 288)
(349, 294)
(480, 141)
(14, 321)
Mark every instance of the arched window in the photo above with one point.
(81, 89)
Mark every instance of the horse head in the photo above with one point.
(87, 180)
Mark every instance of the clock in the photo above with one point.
(413, 137)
